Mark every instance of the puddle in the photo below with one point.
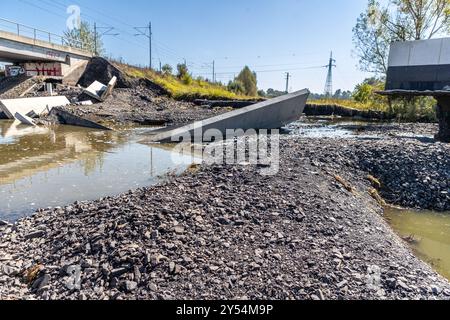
(48, 167)
(428, 234)
(313, 127)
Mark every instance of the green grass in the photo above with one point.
(418, 109)
(197, 89)
(352, 104)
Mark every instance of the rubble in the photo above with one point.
(38, 106)
(99, 91)
(216, 234)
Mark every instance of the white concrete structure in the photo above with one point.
(270, 114)
(422, 65)
(420, 53)
(25, 106)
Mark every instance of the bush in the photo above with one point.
(182, 70)
(236, 86)
(167, 69)
(187, 79)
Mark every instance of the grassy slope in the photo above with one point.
(421, 109)
(181, 91)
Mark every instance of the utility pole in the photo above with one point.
(288, 75)
(97, 35)
(214, 71)
(329, 83)
(147, 33)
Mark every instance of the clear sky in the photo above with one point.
(271, 36)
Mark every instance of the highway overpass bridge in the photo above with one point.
(40, 52)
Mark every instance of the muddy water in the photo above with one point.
(427, 232)
(48, 167)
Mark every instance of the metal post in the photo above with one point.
(95, 38)
(150, 39)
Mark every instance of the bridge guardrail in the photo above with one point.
(39, 35)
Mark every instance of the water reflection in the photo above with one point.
(41, 167)
(427, 232)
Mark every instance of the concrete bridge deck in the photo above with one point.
(16, 48)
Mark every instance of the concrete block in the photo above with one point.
(95, 90)
(270, 114)
(99, 91)
(25, 106)
(109, 88)
(24, 119)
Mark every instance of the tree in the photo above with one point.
(398, 20)
(182, 70)
(261, 93)
(85, 38)
(248, 79)
(167, 69)
(236, 86)
(271, 93)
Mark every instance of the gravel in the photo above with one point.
(313, 231)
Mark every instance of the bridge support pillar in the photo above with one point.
(443, 113)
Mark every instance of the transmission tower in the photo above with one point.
(329, 83)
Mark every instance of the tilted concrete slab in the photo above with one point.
(271, 114)
(25, 106)
(64, 117)
(24, 119)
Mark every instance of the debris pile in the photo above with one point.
(101, 70)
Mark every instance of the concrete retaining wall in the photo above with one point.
(330, 110)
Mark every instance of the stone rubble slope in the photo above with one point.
(225, 232)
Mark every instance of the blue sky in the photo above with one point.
(271, 36)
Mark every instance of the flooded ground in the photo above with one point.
(427, 232)
(48, 167)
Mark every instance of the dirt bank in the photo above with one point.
(229, 232)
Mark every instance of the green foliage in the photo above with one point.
(236, 86)
(84, 38)
(167, 69)
(365, 97)
(182, 70)
(187, 79)
(248, 79)
(398, 20)
(261, 93)
(272, 93)
(181, 90)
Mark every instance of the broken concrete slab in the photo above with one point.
(99, 91)
(95, 90)
(24, 119)
(270, 114)
(25, 106)
(109, 88)
(64, 117)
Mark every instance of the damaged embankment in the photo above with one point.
(228, 232)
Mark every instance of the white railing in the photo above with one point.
(38, 35)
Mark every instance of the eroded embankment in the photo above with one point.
(228, 232)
